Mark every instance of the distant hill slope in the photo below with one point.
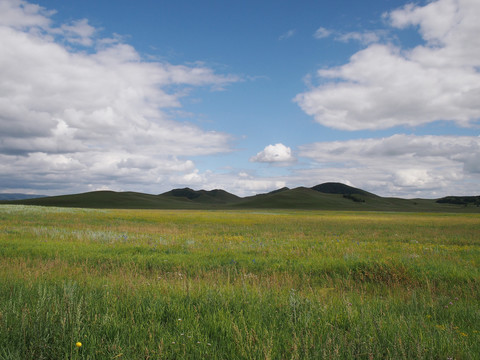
(107, 200)
(328, 196)
(339, 188)
(279, 190)
(174, 199)
(216, 196)
(307, 198)
(460, 200)
(298, 198)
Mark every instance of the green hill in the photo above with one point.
(216, 196)
(307, 198)
(175, 199)
(328, 196)
(298, 198)
(339, 188)
(107, 200)
(460, 200)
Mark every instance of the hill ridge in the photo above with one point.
(209, 196)
(326, 196)
(339, 188)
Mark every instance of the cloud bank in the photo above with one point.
(383, 86)
(400, 164)
(386, 86)
(79, 109)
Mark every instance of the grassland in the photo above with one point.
(190, 284)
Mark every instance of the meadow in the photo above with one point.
(191, 284)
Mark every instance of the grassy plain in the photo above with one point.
(160, 284)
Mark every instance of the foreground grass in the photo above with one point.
(237, 285)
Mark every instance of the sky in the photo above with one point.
(241, 95)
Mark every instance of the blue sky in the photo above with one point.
(246, 96)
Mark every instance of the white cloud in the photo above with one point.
(20, 14)
(322, 33)
(96, 117)
(244, 184)
(384, 86)
(277, 153)
(366, 37)
(79, 32)
(435, 19)
(416, 178)
(258, 186)
(400, 164)
(193, 178)
(287, 35)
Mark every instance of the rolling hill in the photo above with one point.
(339, 188)
(327, 196)
(202, 196)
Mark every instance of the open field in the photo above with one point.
(190, 284)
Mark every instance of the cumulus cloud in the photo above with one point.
(91, 117)
(400, 164)
(384, 86)
(277, 153)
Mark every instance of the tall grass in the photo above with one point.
(237, 285)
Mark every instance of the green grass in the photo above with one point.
(273, 284)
